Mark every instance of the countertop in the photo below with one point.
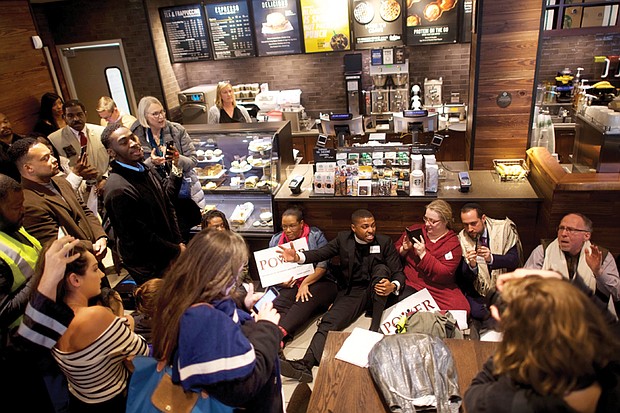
(486, 184)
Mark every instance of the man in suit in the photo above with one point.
(370, 271)
(110, 113)
(52, 206)
(490, 247)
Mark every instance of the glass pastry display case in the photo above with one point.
(240, 167)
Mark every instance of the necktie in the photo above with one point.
(83, 140)
(483, 241)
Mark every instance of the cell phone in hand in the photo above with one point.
(270, 294)
(414, 234)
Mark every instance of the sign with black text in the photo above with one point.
(276, 26)
(185, 32)
(432, 22)
(377, 23)
(231, 30)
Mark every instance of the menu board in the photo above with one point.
(231, 31)
(377, 23)
(276, 26)
(186, 34)
(326, 25)
(432, 22)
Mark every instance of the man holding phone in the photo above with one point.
(490, 248)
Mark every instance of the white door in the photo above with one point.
(97, 69)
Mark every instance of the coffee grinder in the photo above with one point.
(353, 83)
(390, 92)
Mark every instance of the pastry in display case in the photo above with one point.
(241, 167)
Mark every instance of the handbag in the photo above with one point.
(186, 188)
(152, 391)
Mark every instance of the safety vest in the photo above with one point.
(21, 258)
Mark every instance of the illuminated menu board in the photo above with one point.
(325, 25)
(276, 24)
(377, 23)
(432, 22)
(231, 31)
(186, 34)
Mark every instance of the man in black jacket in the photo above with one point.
(370, 272)
(138, 204)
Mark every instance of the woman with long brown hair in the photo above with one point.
(211, 343)
(557, 353)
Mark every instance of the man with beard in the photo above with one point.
(589, 267)
(52, 207)
(138, 203)
(7, 137)
(370, 271)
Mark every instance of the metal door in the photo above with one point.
(97, 69)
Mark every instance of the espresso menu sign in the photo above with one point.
(377, 23)
(186, 34)
(231, 31)
(276, 25)
(432, 22)
(326, 25)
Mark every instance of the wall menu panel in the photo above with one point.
(231, 30)
(276, 25)
(432, 22)
(185, 32)
(326, 25)
(377, 23)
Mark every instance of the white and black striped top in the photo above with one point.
(97, 373)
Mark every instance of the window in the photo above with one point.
(581, 14)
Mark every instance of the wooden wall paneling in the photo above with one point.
(24, 75)
(504, 55)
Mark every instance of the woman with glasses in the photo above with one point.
(301, 299)
(431, 260)
(225, 109)
(161, 140)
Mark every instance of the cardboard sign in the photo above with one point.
(420, 301)
(272, 268)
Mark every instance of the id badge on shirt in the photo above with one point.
(375, 249)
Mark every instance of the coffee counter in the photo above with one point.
(332, 214)
(596, 195)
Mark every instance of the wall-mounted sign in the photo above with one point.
(276, 25)
(231, 31)
(432, 22)
(467, 14)
(377, 23)
(185, 32)
(326, 25)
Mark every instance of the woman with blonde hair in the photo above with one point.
(431, 260)
(226, 109)
(557, 353)
(162, 140)
(211, 344)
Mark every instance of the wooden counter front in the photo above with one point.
(332, 214)
(596, 195)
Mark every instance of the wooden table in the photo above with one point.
(342, 387)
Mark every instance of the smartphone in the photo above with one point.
(270, 294)
(414, 234)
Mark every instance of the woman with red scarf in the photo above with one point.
(303, 298)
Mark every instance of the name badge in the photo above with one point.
(375, 249)
(448, 255)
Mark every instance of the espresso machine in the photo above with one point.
(390, 93)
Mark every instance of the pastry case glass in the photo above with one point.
(240, 167)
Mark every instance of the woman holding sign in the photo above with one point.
(431, 254)
(302, 298)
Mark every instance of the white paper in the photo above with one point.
(357, 346)
(272, 268)
(420, 301)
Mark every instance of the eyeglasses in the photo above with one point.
(431, 221)
(292, 226)
(570, 230)
(161, 113)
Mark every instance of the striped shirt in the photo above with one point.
(97, 373)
